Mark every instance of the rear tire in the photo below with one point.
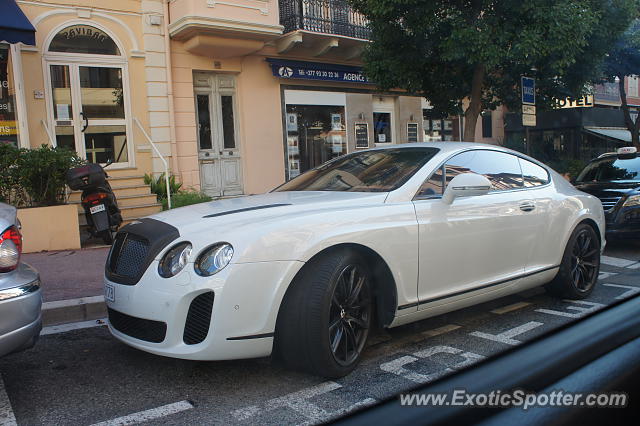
(580, 265)
(107, 236)
(325, 318)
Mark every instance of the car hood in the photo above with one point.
(253, 208)
(608, 189)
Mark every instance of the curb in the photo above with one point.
(73, 310)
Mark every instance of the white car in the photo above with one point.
(381, 237)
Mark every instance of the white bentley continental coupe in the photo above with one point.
(376, 238)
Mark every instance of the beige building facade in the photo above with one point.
(234, 96)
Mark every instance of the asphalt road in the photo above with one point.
(83, 377)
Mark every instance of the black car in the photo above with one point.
(615, 179)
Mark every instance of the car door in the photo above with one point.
(475, 242)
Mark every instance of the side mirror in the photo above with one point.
(466, 185)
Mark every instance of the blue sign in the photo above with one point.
(317, 71)
(528, 91)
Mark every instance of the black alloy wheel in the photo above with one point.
(349, 315)
(324, 320)
(585, 261)
(580, 267)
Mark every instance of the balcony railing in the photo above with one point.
(323, 16)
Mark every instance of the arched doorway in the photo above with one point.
(88, 94)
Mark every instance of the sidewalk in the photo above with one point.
(69, 274)
(71, 284)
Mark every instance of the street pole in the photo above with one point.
(527, 140)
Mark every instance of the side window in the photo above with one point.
(434, 186)
(502, 169)
(533, 174)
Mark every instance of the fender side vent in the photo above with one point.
(198, 321)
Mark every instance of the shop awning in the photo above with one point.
(622, 135)
(14, 25)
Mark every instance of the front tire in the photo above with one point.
(580, 265)
(325, 318)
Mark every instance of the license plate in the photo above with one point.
(109, 293)
(97, 209)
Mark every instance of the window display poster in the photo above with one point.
(292, 122)
(336, 144)
(362, 135)
(436, 125)
(336, 122)
(8, 122)
(412, 132)
(292, 144)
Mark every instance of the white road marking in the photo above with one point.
(616, 261)
(63, 328)
(300, 402)
(397, 365)
(440, 330)
(581, 311)
(636, 266)
(148, 415)
(56, 304)
(7, 418)
(605, 275)
(507, 337)
(510, 308)
(364, 403)
(631, 290)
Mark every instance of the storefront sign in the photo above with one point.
(362, 135)
(412, 132)
(8, 128)
(84, 32)
(582, 102)
(317, 71)
(529, 120)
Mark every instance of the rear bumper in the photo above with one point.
(20, 309)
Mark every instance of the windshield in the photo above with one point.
(611, 169)
(368, 171)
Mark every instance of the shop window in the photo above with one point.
(487, 131)
(83, 39)
(382, 127)
(437, 127)
(8, 114)
(315, 134)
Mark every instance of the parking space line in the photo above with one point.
(631, 290)
(507, 337)
(63, 328)
(510, 308)
(615, 261)
(147, 415)
(440, 330)
(7, 418)
(636, 266)
(605, 275)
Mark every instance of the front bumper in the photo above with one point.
(20, 309)
(623, 223)
(245, 307)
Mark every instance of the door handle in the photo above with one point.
(86, 121)
(527, 206)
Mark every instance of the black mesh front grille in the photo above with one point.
(135, 247)
(130, 255)
(142, 329)
(198, 321)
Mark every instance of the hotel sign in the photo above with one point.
(581, 102)
(317, 71)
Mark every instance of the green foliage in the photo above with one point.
(445, 43)
(185, 198)
(159, 185)
(623, 60)
(35, 177)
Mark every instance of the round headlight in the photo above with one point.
(175, 260)
(213, 259)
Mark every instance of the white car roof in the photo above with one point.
(445, 147)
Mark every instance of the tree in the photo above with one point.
(477, 50)
(623, 61)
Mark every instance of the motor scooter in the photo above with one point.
(98, 200)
